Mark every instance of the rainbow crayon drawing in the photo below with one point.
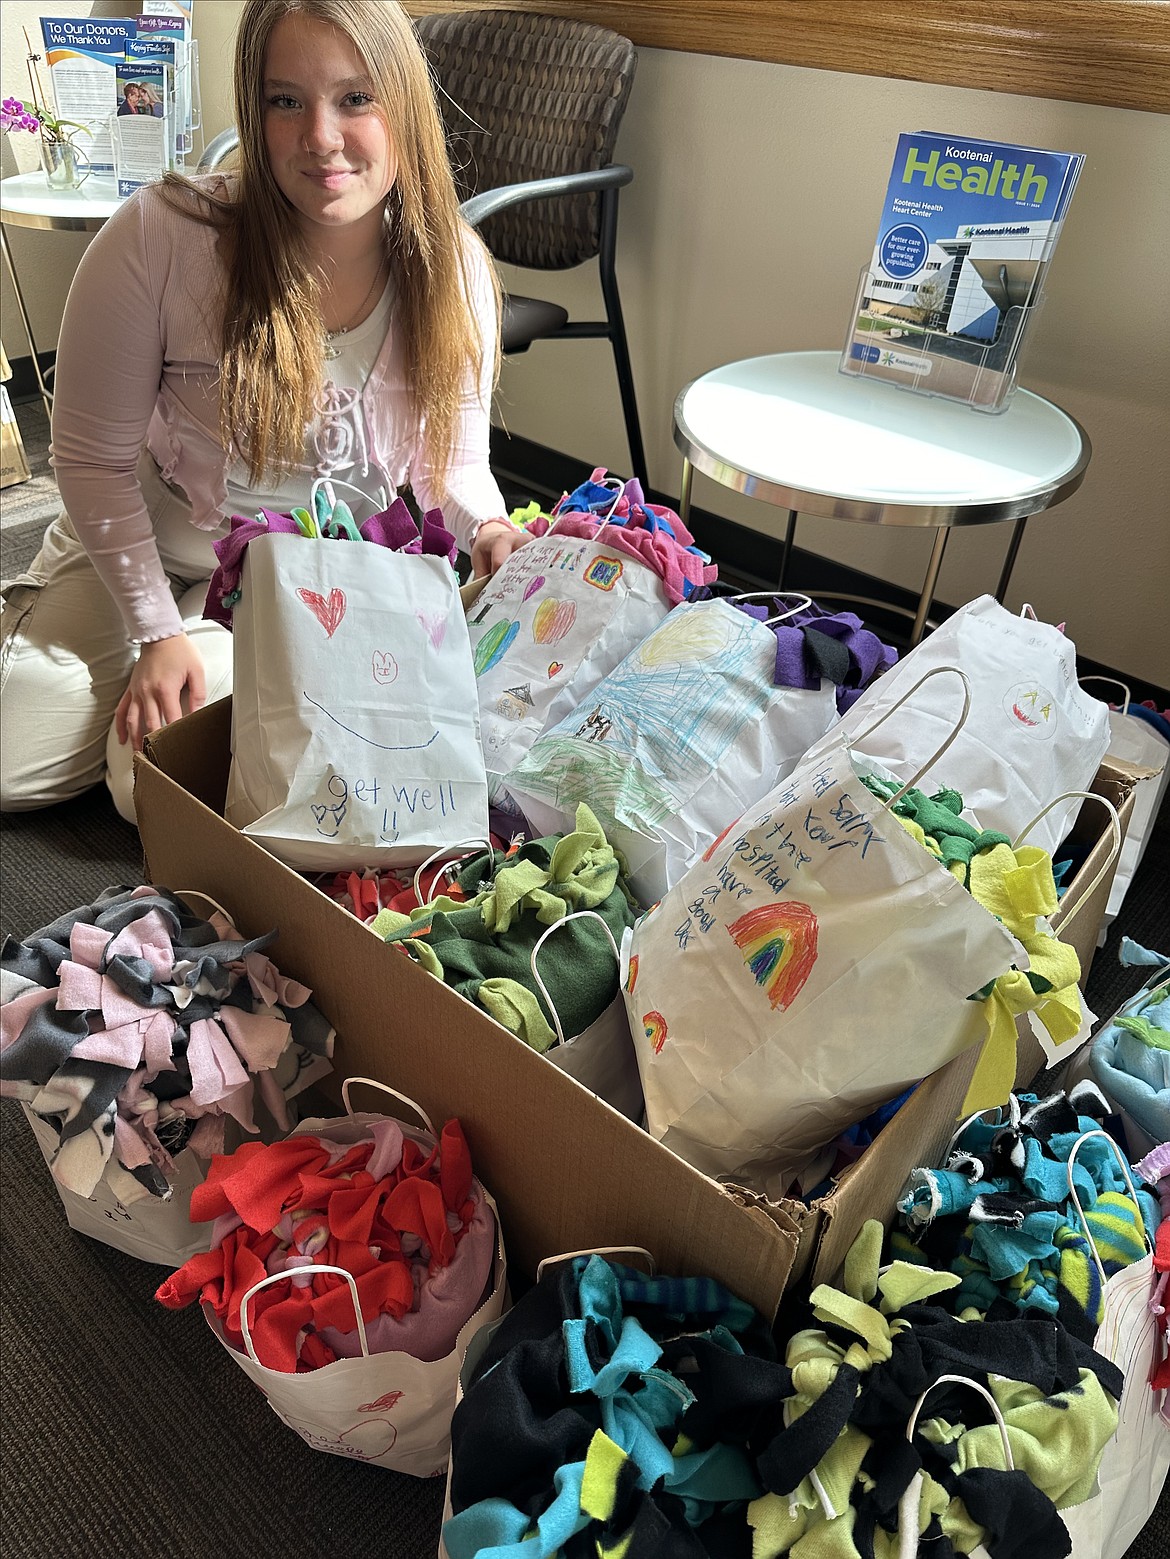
(654, 1028)
(779, 946)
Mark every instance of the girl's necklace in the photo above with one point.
(331, 351)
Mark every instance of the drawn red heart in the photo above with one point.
(327, 612)
(557, 665)
(383, 1404)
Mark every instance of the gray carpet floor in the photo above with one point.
(126, 1433)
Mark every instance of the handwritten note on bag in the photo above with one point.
(815, 961)
(354, 716)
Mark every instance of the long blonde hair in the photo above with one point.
(273, 337)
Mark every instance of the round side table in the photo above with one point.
(27, 201)
(793, 431)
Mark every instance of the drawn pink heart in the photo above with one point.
(435, 625)
(327, 612)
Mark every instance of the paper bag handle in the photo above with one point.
(456, 860)
(803, 602)
(372, 1082)
(197, 893)
(600, 1250)
(577, 914)
(619, 493)
(281, 1277)
(965, 1380)
(935, 671)
(603, 519)
(1127, 696)
(1137, 1206)
(911, 1498)
(328, 483)
(1115, 851)
(1013, 1120)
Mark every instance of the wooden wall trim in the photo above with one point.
(1112, 52)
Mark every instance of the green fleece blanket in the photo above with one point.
(482, 947)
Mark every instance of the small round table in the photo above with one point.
(27, 201)
(792, 430)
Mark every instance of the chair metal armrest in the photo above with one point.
(477, 208)
(216, 150)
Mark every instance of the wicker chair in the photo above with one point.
(532, 106)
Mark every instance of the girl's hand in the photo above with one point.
(165, 669)
(494, 544)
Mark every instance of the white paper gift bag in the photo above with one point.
(142, 1225)
(561, 613)
(601, 1057)
(1134, 742)
(387, 1409)
(355, 734)
(1032, 732)
(1136, 1461)
(815, 962)
(683, 736)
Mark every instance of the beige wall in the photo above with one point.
(45, 262)
(757, 191)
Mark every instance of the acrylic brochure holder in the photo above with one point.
(964, 241)
(190, 102)
(901, 350)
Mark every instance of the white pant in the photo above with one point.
(65, 660)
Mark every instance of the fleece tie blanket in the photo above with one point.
(402, 1213)
(482, 946)
(1001, 1218)
(135, 1028)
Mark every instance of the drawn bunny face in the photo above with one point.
(385, 667)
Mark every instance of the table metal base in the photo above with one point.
(46, 393)
(933, 567)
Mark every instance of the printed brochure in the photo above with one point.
(83, 54)
(966, 235)
(143, 125)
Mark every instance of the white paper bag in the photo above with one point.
(355, 735)
(142, 1226)
(1032, 732)
(561, 613)
(601, 1057)
(686, 734)
(814, 963)
(1136, 1461)
(387, 1409)
(1133, 742)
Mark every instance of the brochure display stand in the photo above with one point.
(965, 239)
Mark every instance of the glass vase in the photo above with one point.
(66, 166)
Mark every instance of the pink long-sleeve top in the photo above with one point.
(138, 365)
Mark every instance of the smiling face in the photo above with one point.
(326, 138)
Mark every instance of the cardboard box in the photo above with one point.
(922, 1129)
(568, 1172)
(13, 462)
